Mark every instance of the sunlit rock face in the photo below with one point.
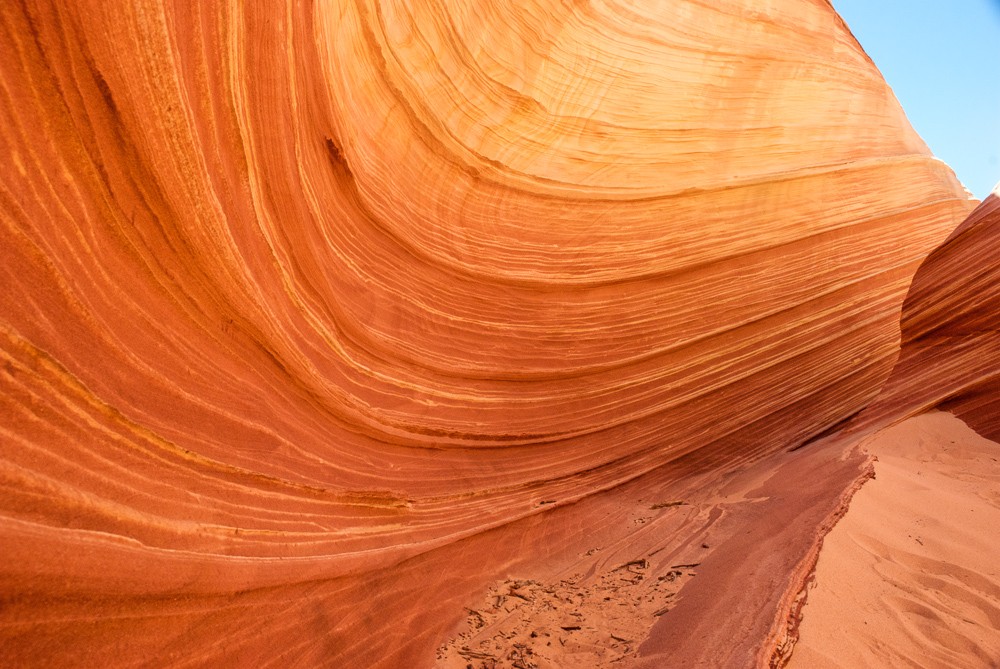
(951, 329)
(294, 293)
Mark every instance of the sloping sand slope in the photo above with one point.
(910, 577)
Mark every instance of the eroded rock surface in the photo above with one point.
(951, 330)
(320, 319)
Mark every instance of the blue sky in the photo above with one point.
(942, 60)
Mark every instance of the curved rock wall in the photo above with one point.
(951, 330)
(296, 293)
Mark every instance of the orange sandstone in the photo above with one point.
(319, 321)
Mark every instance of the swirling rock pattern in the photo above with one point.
(311, 310)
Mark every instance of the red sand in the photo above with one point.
(910, 577)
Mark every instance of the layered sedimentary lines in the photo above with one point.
(951, 330)
(293, 294)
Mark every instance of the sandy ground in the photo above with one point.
(910, 577)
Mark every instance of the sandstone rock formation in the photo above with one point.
(951, 330)
(320, 321)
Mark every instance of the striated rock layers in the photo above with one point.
(951, 330)
(320, 321)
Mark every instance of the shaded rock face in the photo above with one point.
(951, 330)
(293, 295)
